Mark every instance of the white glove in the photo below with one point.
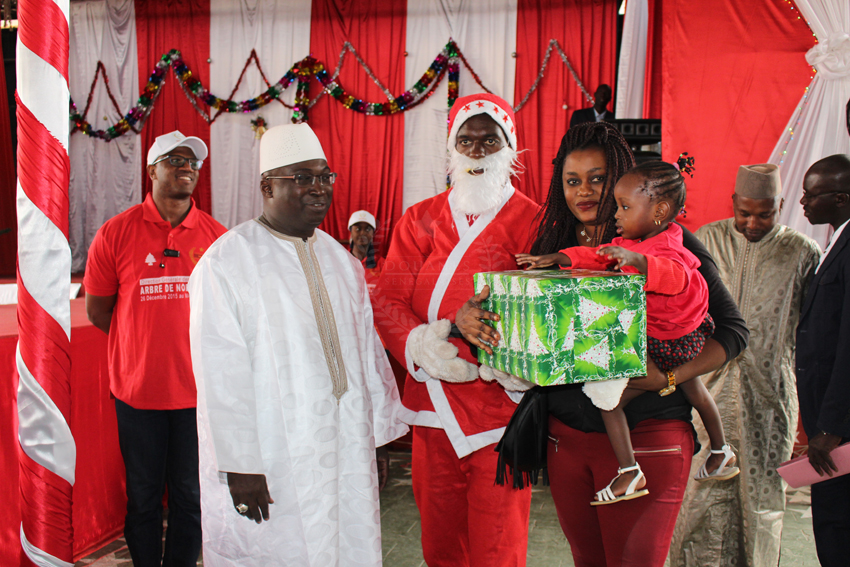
(605, 395)
(509, 382)
(430, 350)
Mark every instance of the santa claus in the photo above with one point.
(476, 226)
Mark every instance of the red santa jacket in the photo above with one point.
(473, 414)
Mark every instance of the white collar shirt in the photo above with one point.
(833, 240)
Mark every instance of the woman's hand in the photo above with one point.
(468, 320)
(624, 257)
(654, 381)
(543, 261)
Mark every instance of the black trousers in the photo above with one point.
(160, 448)
(831, 521)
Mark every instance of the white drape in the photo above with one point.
(485, 31)
(279, 31)
(105, 177)
(818, 126)
(631, 73)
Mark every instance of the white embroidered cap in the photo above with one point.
(287, 144)
(362, 216)
(167, 142)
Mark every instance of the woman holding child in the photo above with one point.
(580, 212)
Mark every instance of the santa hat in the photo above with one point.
(495, 107)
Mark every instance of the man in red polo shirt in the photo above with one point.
(138, 266)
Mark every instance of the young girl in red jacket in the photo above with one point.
(648, 199)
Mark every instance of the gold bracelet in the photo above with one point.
(671, 384)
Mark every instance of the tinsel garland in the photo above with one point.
(421, 90)
(448, 60)
(553, 44)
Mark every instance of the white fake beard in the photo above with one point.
(475, 194)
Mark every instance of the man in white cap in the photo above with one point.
(767, 267)
(294, 389)
(477, 226)
(361, 228)
(138, 266)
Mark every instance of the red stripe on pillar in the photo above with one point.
(35, 16)
(41, 159)
(366, 151)
(587, 31)
(46, 492)
(49, 359)
(162, 25)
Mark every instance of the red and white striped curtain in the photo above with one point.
(385, 163)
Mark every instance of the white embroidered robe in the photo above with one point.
(293, 383)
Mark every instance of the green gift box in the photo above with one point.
(567, 326)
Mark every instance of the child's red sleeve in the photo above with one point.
(665, 276)
(586, 258)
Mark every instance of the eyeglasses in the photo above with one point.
(178, 161)
(808, 196)
(307, 180)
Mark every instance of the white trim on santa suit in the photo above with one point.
(443, 417)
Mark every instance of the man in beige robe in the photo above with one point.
(767, 267)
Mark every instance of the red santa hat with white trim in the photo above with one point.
(494, 106)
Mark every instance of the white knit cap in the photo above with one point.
(287, 144)
(167, 142)
(362, 216)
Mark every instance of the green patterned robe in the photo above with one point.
(739, 522)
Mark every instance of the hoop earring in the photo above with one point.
(657, 222)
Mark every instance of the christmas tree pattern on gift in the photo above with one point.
(565, 326)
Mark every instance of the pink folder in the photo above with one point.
(798, 472)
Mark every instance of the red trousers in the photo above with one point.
(633, 533)
(467, 520)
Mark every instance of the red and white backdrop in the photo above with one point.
(724, 96)
(385, 163)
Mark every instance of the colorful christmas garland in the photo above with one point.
(448, 60)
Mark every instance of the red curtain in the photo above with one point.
(162, 25)
(366, 151)
(8, 186)
(728, 94)
(587, 31)
(652, 81)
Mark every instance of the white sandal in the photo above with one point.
(722, 472)
(606, 496)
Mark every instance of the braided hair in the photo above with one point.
(557, 225)
(663, 181)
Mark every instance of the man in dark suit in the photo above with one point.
(598, 112)
(823, 356)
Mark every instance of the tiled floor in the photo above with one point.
(547, 546)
